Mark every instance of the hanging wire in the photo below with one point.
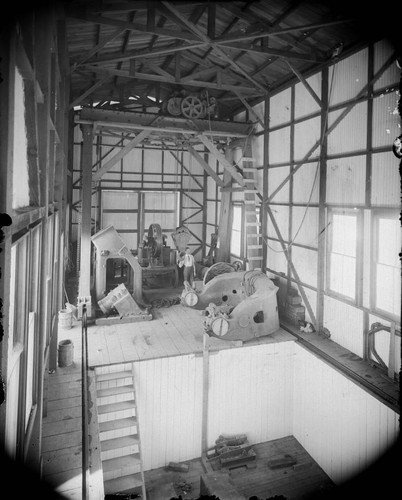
(290, 244)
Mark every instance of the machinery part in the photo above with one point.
(216, 269)
(174, 106)
(181, 237)
(254, 316)
(189, 298)
(155, 240)
(192, 107)
(397, 147)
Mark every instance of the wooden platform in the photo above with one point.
(293, 482)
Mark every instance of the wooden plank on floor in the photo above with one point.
(61, 441)
(55, 461)
(58, 404)
(62, 426)
(62, 414)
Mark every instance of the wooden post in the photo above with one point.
(205, 388)
(391, 357)
(321, 203)
(84, 291)
(223, 252)
(263, 214)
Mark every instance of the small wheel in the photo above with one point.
(174, 106)
(191, 299)
(220, 326)
(192, 107)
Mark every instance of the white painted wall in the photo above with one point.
(339, 424)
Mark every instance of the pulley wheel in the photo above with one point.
(220, 326)
(155, 240)
(174, 106)
(192, 107)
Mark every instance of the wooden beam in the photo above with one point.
(86, 205)
(164, 79)
(286, 54)
(205, 391)
(144, 28)
(195, 154)
(251, 110)
(308, 87)
(225, 215)
(121, 154)
(177, 16)
(88, 92)
(99, 46)
(222, 160)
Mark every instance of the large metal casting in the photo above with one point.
(244, 308)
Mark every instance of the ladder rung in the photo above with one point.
(249, 169)
(254, 258)
(250, 158)
(120, 442)
(254, 235)
(102, 377)
(254, 247)
(122, 462)
(113, 391)
(249, 224)
(124, 483)
(114, 407)
(246, 179)
(120, 423)
(249, 202)
(250, 191)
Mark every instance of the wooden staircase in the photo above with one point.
(252, 225)
(119, 431)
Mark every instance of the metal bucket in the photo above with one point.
(66, 353)
(65, 319)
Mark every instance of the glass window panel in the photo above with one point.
(388, 291)
(342, 276)
(389, 242)
(344, 234)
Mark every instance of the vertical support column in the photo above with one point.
(321, 202)
(223, 252)
(84, 290)
(204, 212)
(205, 388)
(291, 168)
(263, 214)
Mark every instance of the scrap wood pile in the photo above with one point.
(232, 450)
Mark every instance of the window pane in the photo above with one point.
(342, 279)
(344, 234)
(388, 296)
(235, 243)
(389, 241)
(236, 224)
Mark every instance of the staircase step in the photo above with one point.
(249, 224)
(254, 247)
(102, 377)
(250, 202)
(114, 407)
(247, 158)
(120, 442)
(255, 258)
(249, 179)
(120, 423)
(113, 391)
(124, 484)
(254, 235)
(114, 464)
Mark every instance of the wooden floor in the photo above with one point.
(173, 331)
(298, 481)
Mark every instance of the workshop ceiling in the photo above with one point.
(128, 55)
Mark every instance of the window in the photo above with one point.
(341, 275)
(236, 235)
(386, 292)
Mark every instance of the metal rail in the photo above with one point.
(84, 405)
(390, 401)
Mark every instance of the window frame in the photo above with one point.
(358, 214)
(241, 206)
(378, 214)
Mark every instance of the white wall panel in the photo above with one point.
(275, 177)
(351, 132)
(152, 160)
(169, 393)
(259, 110)
(279, 108)
(355, 67)
(251, 392)
(281, 215)
(346, 180)
(345, 324)
(306, 183)
(258, 150)
(279, 146)
(305, 225)
(305, 262)
(276, 259)
(340, 425)
(305, 104)
(307, 133)
(385, 184)
(132, 161)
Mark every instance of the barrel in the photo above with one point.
(65, 319)
(66, 353)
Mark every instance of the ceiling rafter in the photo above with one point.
(177, 16)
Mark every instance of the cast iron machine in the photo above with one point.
(246, 309)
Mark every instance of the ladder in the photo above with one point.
(119, 431)
(252, 225)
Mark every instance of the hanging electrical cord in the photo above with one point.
(290, 244)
